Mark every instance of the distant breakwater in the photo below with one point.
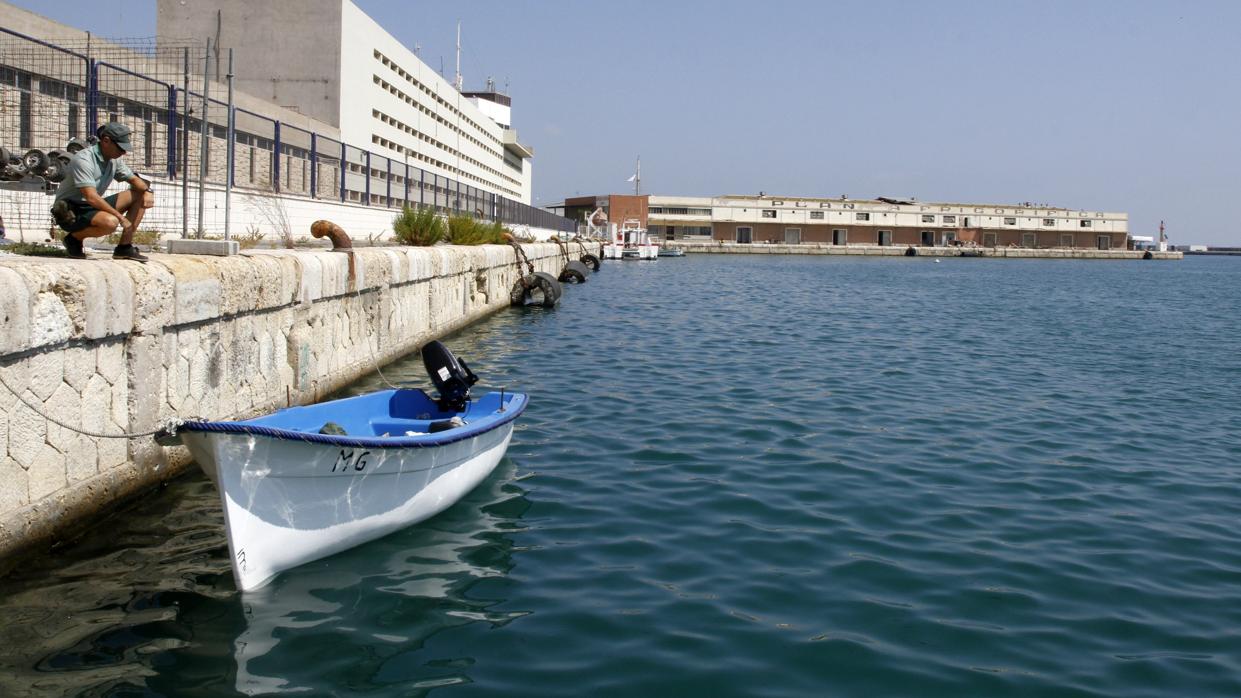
(904, 251)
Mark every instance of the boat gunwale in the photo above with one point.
(516, 405)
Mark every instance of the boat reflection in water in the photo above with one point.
(339, 621)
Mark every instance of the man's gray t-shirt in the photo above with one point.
(89, 169)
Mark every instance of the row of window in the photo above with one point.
(925, 218)
(396, 92)
(948, 220)
(381, 141)
(391, 65)
(840, 236)
(392, 121)
(673, 211)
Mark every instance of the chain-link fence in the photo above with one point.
(54, 97)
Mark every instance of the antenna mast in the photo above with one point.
(457, 82)
(637, 178)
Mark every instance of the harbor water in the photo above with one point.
(747, 476)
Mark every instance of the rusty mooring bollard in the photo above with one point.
(335, 233)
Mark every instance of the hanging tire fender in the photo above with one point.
(574, 272)
(541, 283)
(591, 261)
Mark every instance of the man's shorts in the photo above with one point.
(83, 213)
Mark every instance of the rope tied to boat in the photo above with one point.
(170, 424)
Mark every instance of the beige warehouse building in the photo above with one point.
(845, 221)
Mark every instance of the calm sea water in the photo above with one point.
(749, 476)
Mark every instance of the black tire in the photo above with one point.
(550, 288)
(539, 288)
(591, 261)
(4, 157)
(36, 161)
(911, 252)
(574, 272)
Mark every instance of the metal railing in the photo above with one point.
(50, 94)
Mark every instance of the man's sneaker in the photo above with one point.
(128, 252)
(61, 212)
(73, 247)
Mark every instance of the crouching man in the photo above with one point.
(81, 209)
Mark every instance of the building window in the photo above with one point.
(1049, 222)
(885, 237)
(1029, 240)
(840, 236)
(1010, 221)
(1085, 224)
(816, 215)
(769, 213)
(745, 234)
(863, 216)
(928, 218)
(950, 220)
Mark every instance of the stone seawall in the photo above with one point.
(118, 347)
(899, 251)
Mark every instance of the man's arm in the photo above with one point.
(94, 199)
(139, 185)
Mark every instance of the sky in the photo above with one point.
(1108, 105)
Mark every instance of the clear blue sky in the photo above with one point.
(1106, 104)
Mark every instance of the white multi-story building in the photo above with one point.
(883, 221)
(329, 60)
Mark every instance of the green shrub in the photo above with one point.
(144, 237)
(466, 230)
(35, 249)
(251, 238)
(420, 227)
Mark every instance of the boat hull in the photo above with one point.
(287, 503)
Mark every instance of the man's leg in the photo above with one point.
(134, 208)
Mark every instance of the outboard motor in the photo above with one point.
(451, 376)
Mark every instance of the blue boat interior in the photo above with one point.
(392, 413)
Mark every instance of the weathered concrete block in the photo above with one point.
(81, 459)
(47, 472)
(15, 310)
(79, 366)
(97, 405)
(240, 284)
(66, 405)
(216, 248)
(49, 320)
(154, 296)
(109, 300)
(14, 485)
(110, 360)
(47, 373)
(198, 293)
(145, 385)
(334, 277)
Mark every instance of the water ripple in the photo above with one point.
(749, 476)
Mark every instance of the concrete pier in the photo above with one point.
(900, 251)
(118, 347)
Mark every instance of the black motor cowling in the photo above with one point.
(451, 376)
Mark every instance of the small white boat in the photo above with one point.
(304, 483)
(671, 252)
(631, 241)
